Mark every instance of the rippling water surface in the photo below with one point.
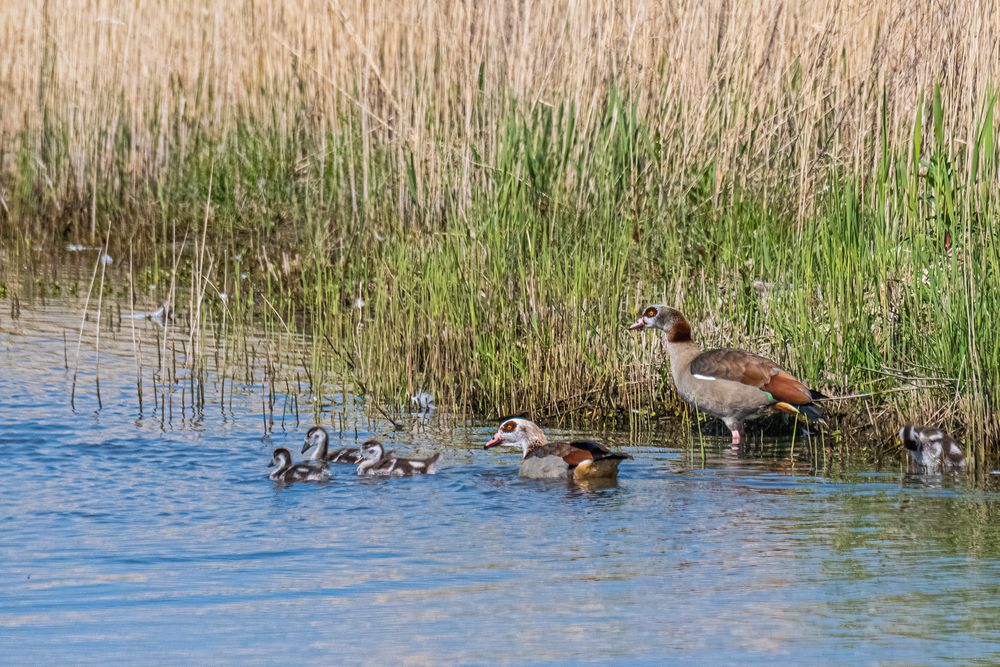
(134, 537)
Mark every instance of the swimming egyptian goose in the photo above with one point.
(376, 462)
(288, 472)
(732, 385)
(542, 459)
(932, 447)
(318, 437)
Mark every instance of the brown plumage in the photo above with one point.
(751, 369)
(733, 385)
(574, 456)
(579, 460)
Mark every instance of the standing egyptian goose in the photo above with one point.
(318, 437)
(376, 462)
(542, 459)
(732, 385)
(931, 447)
(287, 472)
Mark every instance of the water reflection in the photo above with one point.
(128, 534)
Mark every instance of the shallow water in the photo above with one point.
(142, 538)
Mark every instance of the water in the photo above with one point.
(148, 538)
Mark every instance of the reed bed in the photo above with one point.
(473, 200)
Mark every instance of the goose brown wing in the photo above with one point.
(598, 451)
(575, 453)
(753, 370)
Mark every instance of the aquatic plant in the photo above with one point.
(472, 201)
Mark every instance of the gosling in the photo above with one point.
(931, 447)
(288, 472)
(376, 462)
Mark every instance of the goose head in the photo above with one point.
(315, 437)
(909, 437)
(518, 433)
(664, 318)
(372, 451)
(281, 458)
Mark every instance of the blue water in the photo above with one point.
(137, 538)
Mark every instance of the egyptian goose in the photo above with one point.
(318, 437)
(931, 447)
(732, 385)
(376, 462)
(288, 472)
(542, 459)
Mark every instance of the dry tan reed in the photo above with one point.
(501, 185)
(750, 83)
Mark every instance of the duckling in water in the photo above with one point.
(318, 437)
(288, 472)
(376, 462)
(932, 447)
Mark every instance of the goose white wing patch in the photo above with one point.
(703, 377)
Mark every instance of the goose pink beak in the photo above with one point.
(494, 441)
(638, 324)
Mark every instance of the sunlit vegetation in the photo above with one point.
(474, 200)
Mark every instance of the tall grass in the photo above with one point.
(503, 186)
